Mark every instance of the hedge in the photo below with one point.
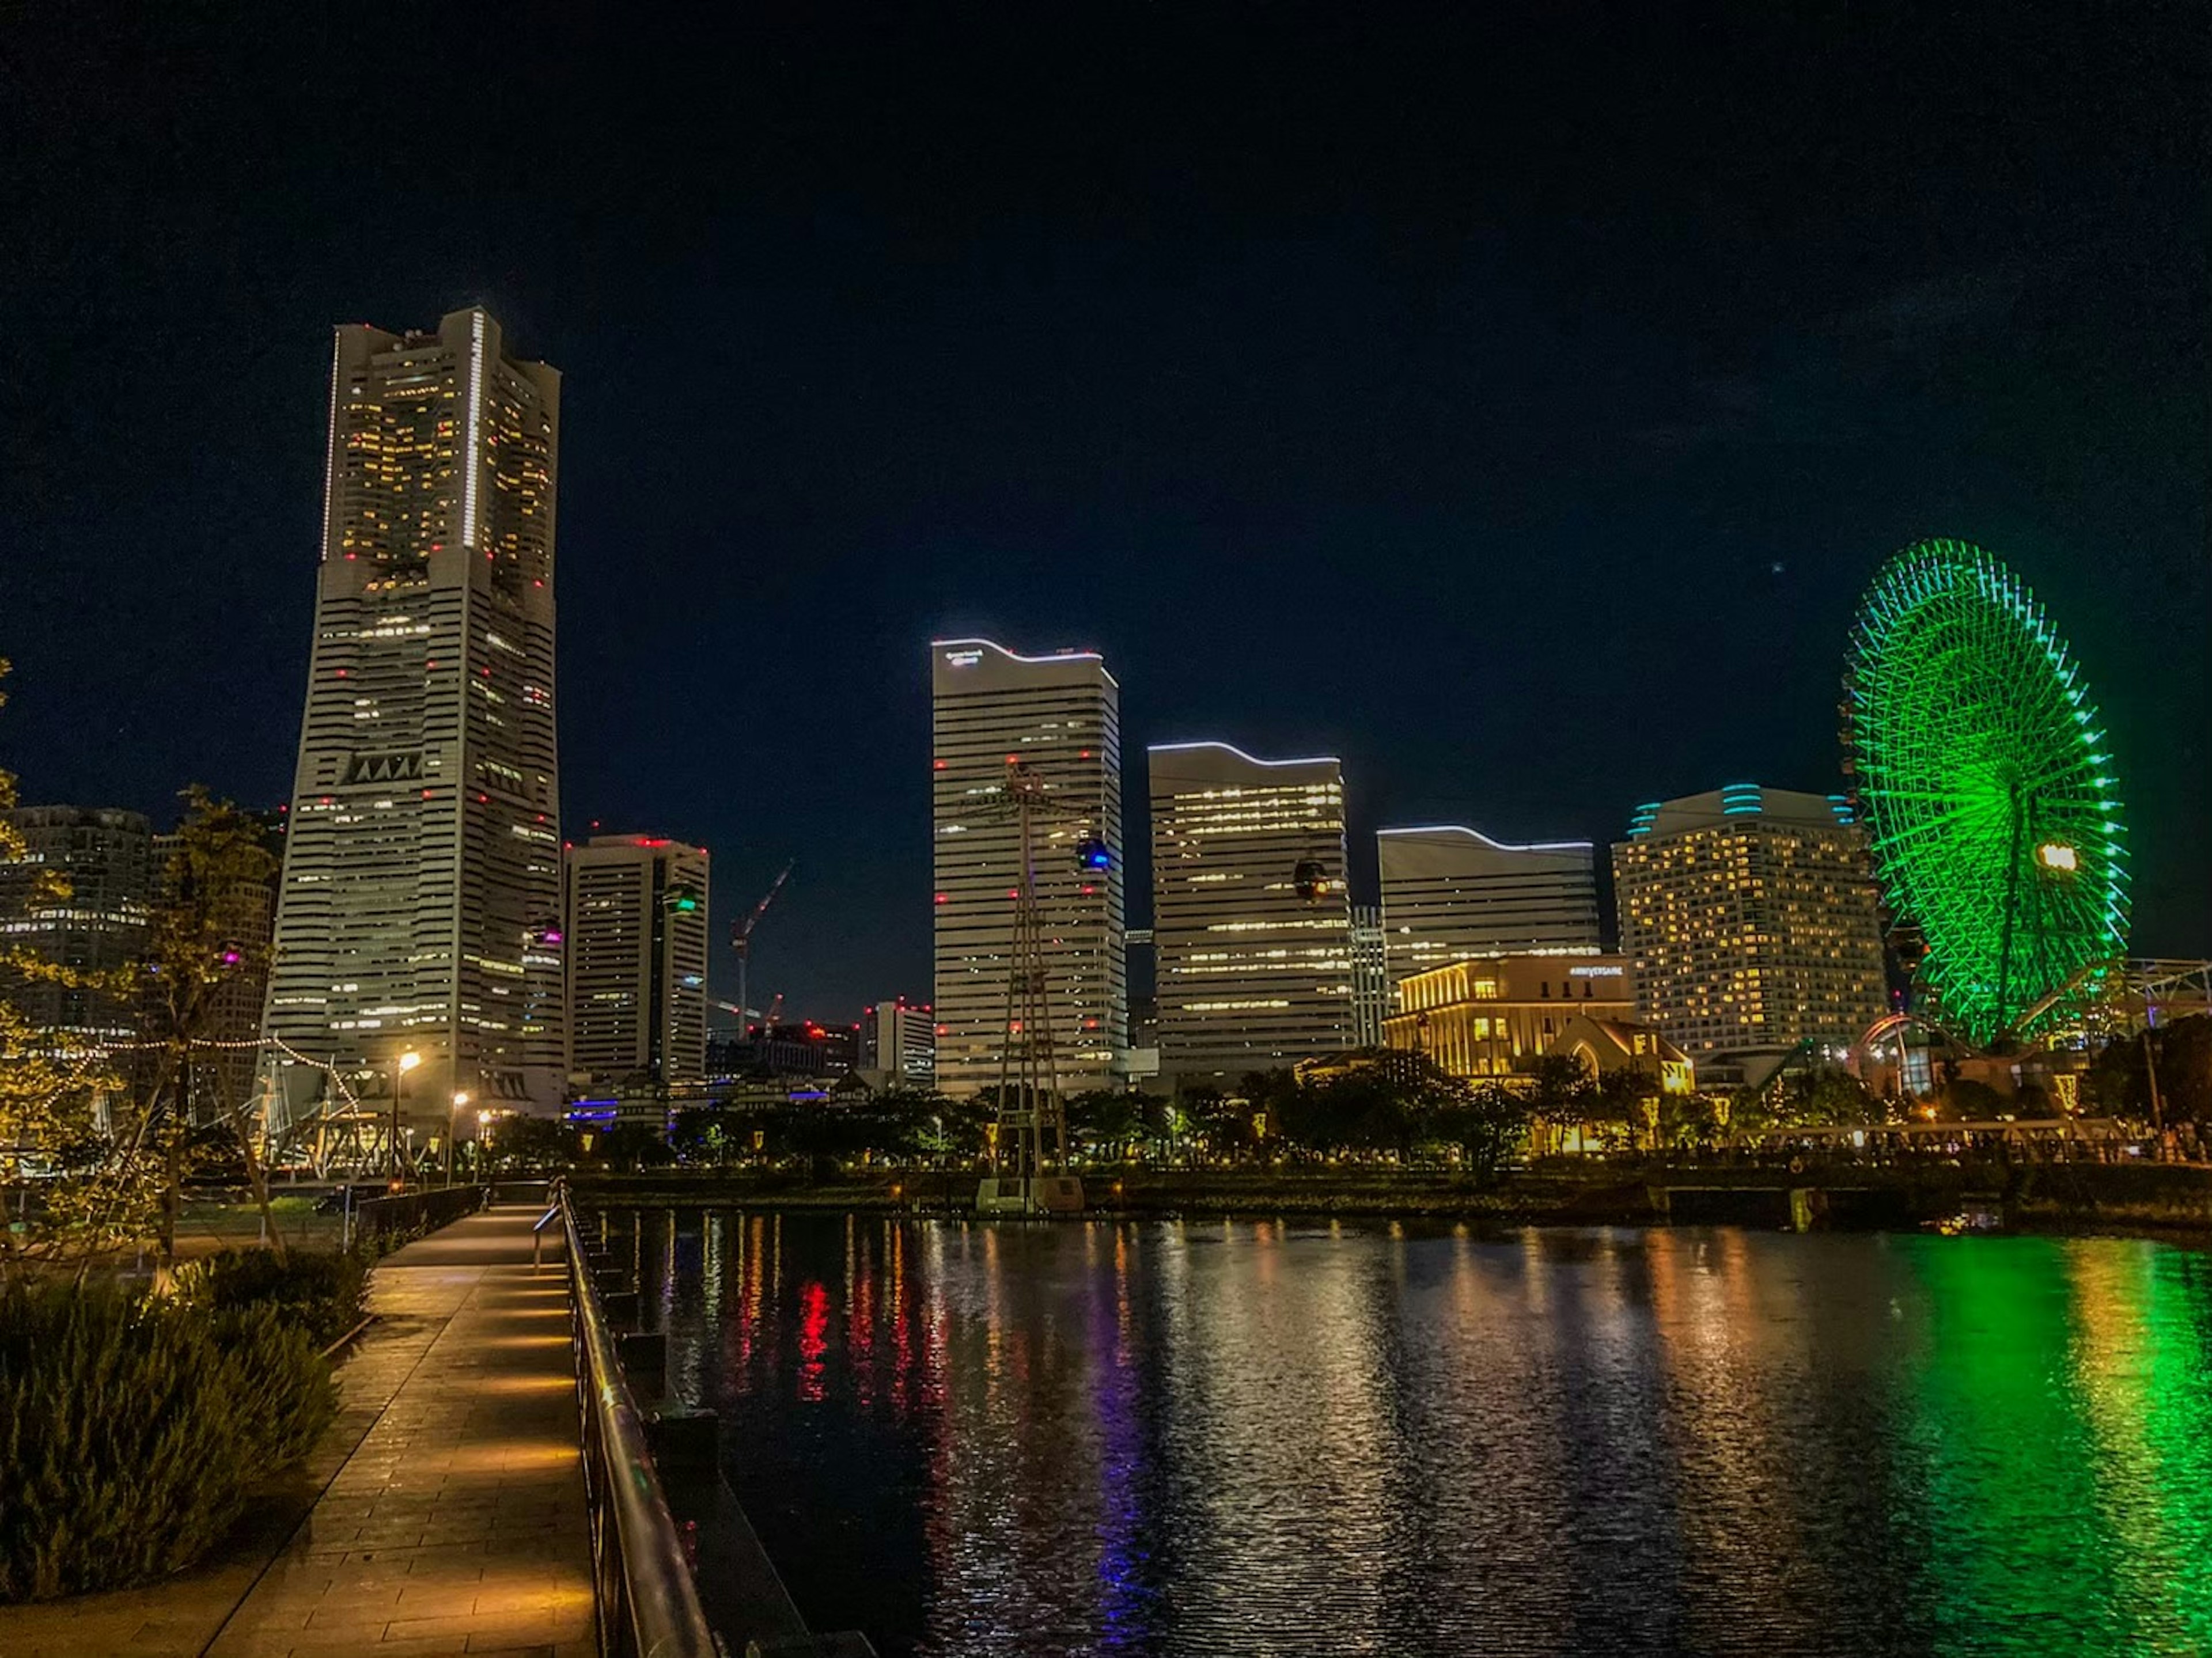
(134, 1430)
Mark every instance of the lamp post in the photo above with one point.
(453, 1129)
(405, 1063)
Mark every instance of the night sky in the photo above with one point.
(1513, 401)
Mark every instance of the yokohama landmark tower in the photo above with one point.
(420, 909)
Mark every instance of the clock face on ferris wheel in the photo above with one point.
(1984, 780)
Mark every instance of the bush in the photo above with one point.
(134, 1430)
(326, 1294)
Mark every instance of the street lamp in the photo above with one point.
(453, 1129)
(405, 1063)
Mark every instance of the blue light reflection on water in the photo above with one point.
(1278, 1438)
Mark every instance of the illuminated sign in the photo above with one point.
(963, 658)
(2053, 855)
(1594, 972)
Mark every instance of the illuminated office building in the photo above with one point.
(1370, 976)
(106, 857)
(419, 910)
(1451, 894)
(1251, 916)
(635, 946)
(1750, 916)
(898, 1043)
(1060, 717)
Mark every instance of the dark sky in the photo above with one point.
(1513, 400)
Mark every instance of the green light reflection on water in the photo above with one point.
(2063, 1421)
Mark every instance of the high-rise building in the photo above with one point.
(1251, 915)
(1750, 916)
(1059, 718)
(1451, 894)
(1370, 978)
(105, 859)
(421, 898)
(898, 1041)
(636, 944)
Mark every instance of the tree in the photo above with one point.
(47, 1096)
(534, 1143)
(633, 1145)
(195, 945)
(1486, 1123)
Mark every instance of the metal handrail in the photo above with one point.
(647, 1603)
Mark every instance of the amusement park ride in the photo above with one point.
(1980, 769)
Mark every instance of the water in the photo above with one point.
(1272, 1438)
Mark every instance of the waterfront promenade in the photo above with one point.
(443, 1512)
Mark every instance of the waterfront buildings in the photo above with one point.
(1491, 1016)
(635, 946)
(106, 859)
(1251, 916)
(1605, 1046)
(1451, 893)
(1750, 914)
(420, 906)
(1059, 718)
(898, 1043)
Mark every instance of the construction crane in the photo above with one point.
(741, 933)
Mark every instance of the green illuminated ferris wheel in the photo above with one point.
(1982, 774)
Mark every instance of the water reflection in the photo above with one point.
(1280, 1438)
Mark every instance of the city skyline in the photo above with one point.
(1533, 489)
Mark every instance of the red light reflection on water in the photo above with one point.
(813, 1339)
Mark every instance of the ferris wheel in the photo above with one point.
(1984, 778)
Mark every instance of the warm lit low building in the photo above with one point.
(1606, 1046)
(1492, 1017)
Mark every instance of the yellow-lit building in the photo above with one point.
(1491, 1018)
(1606, 1046)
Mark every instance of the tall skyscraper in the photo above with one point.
(1060, 717)
(1451, 894)
(106, 857)
(421, 898)
(636, 944)
(1251, 914)
(898, 1042)
(1750, 916)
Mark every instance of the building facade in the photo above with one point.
(1251, 914)
(419, 910)
(635, 942)
(1453, 894)
(106, 859)
(1059, 717)
(898, 1042)
(1370, 976)
(1494, 1016)
(1751, 915)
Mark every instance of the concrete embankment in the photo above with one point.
(2054, 1197)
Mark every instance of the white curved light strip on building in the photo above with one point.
(1501, 846)
(330, 448)
(1252, 759)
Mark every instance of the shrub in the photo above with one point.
(326, 1294)
(134, 1430)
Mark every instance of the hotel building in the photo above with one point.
(636, 952)
(1060, 717)
(1251, 916)
(1750, 916)
(1491, 1016)
(1452, 893)
(421, 896)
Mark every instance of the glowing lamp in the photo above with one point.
(1094, 853)
(409, 1061)
(2055, 855)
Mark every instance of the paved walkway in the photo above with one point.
(453, 1519)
